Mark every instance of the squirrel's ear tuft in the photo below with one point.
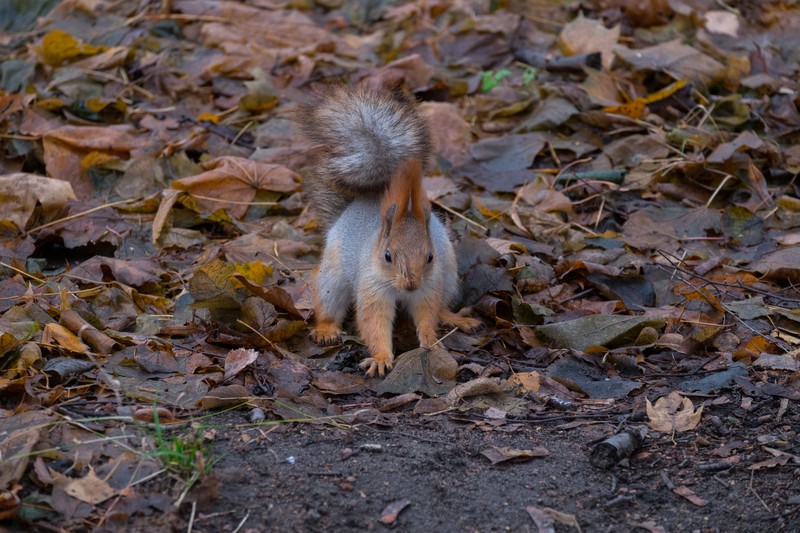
(388, 218)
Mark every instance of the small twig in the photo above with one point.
(20, 137)
(737, 285)
(459, 215)
(82, 213)
(719, 188)
(751, 489)
(23, 273)
(241, 523)
(191, 517)
(444, 337)
(718, 304)
(231, 202)
(110, 77)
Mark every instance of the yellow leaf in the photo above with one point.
(97, 159)
(488, 213)
(59, 46)
(50, 104)
(258, 103)
(664, 93)
(753, 348)
(30, 356)
(58, 334)
(255, 271)
(209, 117)
(638, 107)
(97, 105)
(285, 329)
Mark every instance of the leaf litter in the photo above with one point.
(619, 178)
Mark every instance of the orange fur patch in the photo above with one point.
(426, 317)
(464, 323)
(375, 318)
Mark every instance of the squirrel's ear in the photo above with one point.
(388, 218)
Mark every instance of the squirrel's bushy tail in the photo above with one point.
(362, 138)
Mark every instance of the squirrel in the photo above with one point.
(383, 248)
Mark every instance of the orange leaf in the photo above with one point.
(209, 117)
(634, 109)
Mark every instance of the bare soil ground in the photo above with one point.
(318, 478)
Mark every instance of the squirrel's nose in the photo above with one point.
(410, 285)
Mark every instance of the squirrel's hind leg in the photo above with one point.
(332, 300)
(464, 323)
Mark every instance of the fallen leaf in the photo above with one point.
(597, 330)
(231, 183)
(59, 46)
(502, 454)
(225, 396)
(20, 193)
(583, 35)
(689, 494)
(545, 523)
(237, 360)
(673, 413)
(390, 512)
(90, 489)
(431, 371)
(675, 57)
(527, 381)
(58, 334)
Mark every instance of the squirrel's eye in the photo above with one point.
(430, 257)
(388, 256)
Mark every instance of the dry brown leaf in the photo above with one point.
(673, 413)
(690, 495)
(540, 195)
(20, 193)
(237, 360)
(451, 134)
(90, 489)
(9, 505)
(722, 22)
(390, 513)
(583, 36)
(475, 387)
(677, 58)
(543, 520)
(58, 334)
(225, 396)
(20, 436)
(527, 381)
(502, 454)
(231, 183)
(411, 71)
(65, 149)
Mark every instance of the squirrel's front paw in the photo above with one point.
(379, 363)
(326, 334)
